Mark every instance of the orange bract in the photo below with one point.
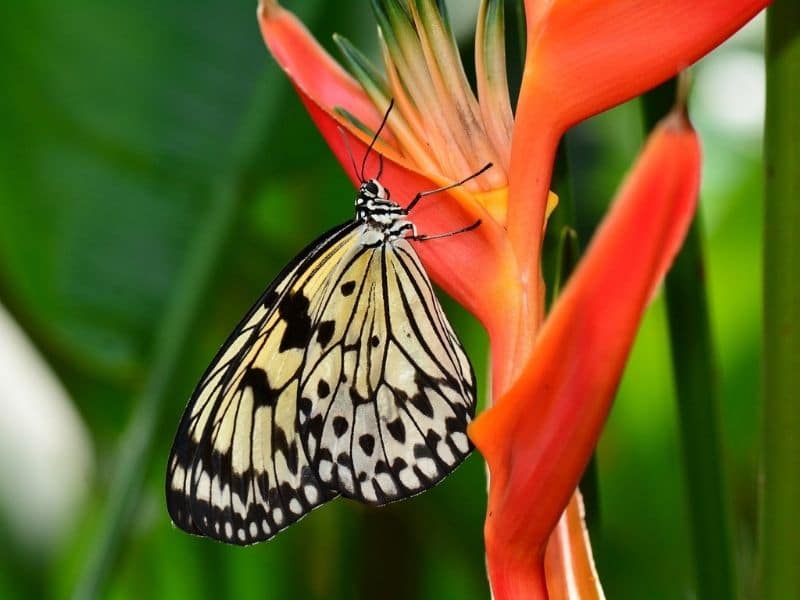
(553, 380)
(564, 391)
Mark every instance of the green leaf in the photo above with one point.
(113, 138)
(694, 371)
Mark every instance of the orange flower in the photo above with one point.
(552, 380)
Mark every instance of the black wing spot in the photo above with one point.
(348, 287)
(357, 398)
(294, 310)
(374, 341)
(422, 451)
(400, 398)
(323, 389)
(397, 429)
(270, 298)
(455, 425)
(288, 449)
(432, 438)
(340, 426)
(398, 465)
(305, 405)
(256, 379)
(422, 404)
(325, 332)
(367, 443)
(315, 427)
(293, 458)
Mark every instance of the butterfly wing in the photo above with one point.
(386, 398)
(237, 471)
(344, 378)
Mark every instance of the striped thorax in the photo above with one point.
(384, 219)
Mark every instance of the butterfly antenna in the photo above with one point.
(421, 195)
(346, 141)
(375, 139)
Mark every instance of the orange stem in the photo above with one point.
(514, 576)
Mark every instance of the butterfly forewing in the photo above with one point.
(237, 471)
(345, 378)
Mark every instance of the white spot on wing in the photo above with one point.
(368, 491)
(312, 495)
(461, 441)
(178, 478)
(325, 470)
(409, 479)
(295, 506)
(444, 452)
(428, 467)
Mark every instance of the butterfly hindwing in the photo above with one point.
(392, 392)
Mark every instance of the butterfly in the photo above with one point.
(345, 378)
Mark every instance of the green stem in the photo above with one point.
(698, 408)
(779, 544)
(175, 334)
(694, 372)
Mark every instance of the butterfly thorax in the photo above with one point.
(383, 218)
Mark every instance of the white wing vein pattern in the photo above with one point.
(344, 378)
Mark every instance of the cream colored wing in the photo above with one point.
(238, 471)
(387, 396)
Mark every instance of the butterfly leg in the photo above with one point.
(421, 195)
(424, 238)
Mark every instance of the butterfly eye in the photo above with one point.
(371, 187)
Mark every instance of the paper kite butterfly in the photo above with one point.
(344, 378)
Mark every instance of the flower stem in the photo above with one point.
(696, 389)
(779, 544)
(694, 370)
(514, 576)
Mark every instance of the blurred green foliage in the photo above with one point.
(121, 125)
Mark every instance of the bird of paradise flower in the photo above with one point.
(553, 378)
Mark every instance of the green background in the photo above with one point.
(156, 171)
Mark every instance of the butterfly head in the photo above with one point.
(373, 199)
(371, 190)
